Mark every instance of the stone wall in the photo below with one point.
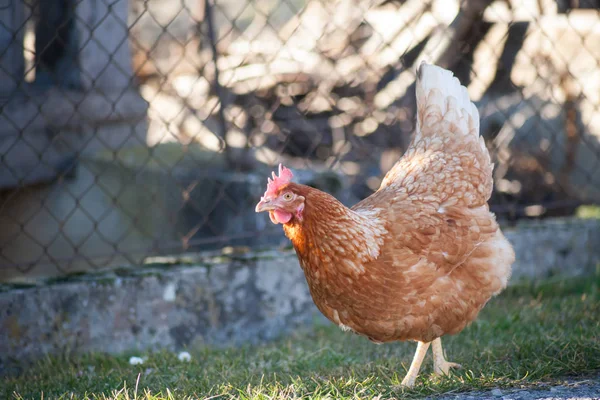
(561, 246)
(170, 303)
(219, 299)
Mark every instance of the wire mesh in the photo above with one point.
(138, 128)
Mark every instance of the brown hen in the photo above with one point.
(420, 257)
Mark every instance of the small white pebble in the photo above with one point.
(184, 356)
(170, 293)
(136, 360)
(496, 392)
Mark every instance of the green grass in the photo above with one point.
(530, 334)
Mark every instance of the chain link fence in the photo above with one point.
(131, 129)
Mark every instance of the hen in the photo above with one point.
(420, 257)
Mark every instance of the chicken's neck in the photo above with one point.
(330, 234)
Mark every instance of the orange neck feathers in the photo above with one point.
(330, 235)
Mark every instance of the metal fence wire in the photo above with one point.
(138, 128)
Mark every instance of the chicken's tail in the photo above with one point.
(447, 121)
(441, 98)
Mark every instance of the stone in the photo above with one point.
(555, 246)
(184, 356)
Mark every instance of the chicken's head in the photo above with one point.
(280, 199)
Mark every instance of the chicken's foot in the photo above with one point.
(413, 371)
(440, 365)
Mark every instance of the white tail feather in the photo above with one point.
(439, 87)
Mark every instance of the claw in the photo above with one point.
(444, 368)
(407, 382)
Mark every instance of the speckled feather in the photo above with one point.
(421, 256)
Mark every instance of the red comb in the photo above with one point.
(285, 176)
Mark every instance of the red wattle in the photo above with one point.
(281, 217)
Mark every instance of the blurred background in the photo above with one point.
(131, 129)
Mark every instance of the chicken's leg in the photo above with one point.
(440, 365)
(413, 371)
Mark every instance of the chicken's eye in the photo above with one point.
(288, 196)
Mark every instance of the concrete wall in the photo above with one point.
(220, 299)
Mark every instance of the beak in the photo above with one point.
(264, 205)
